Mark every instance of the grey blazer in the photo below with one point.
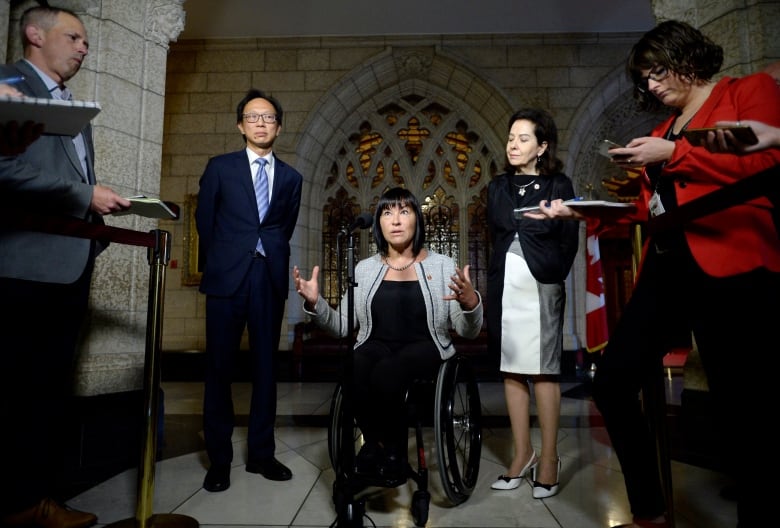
(46, 179)
(434, 274)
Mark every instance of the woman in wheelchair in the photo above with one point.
(405, 302)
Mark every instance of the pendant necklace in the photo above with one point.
(402, 268)
(521, 188)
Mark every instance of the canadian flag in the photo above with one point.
(596, 326)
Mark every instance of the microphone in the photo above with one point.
(363, 221)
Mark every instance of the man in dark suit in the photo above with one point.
(247, 210)
(44, 278)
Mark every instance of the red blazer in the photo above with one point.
(740, 238)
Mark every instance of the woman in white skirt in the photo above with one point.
(526, 294)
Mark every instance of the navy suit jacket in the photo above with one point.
(229, 225)
(46, 178)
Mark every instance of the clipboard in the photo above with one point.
(61, 118)
(576, 203)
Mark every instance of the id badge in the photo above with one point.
(655, 205)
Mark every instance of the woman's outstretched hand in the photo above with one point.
(462, 289)
(725, 141)
(308, 289)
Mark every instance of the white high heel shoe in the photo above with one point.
(543, 491)
(510, 483)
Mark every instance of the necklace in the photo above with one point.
(402, 268)
(521, 188)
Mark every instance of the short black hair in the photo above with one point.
(254, 93)
(399, 197)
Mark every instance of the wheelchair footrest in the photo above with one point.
(374, 479)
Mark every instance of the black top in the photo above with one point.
(664, 186)
(398, 313)
(549, 246)
(673, 238)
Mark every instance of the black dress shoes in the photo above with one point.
(270, 468)
(217, 478)
(50, 514)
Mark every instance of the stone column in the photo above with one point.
(130, 83)
(5, 10)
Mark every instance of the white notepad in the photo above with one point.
(576, 203)
(64, 118)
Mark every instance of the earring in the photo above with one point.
(538, 159)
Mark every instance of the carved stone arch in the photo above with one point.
(610, 112)
(388, 78)
(394, 73)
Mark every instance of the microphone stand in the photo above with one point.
(349, 513)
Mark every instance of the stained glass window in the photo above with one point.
(422, 145)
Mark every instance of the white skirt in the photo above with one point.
(531, 320)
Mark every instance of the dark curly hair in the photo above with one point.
(681, 49)
(544, 130)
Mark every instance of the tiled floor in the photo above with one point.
(592, 493)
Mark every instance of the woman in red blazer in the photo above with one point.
(717, 276)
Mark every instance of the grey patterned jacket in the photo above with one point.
(434, 275)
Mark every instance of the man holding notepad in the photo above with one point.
(44, 278)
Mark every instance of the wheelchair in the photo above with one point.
(456, 413)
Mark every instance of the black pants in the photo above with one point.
(257, 307)
(39, 328)
(733, 321)
(382, 373)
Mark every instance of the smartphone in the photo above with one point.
(743, 134)
(605, 145)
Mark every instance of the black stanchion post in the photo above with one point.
(159, 255)
(349, 513)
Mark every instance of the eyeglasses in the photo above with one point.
(658, 74)
(254, 118)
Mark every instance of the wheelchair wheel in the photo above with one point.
(421, 501)
(336, 433)
(458, 428)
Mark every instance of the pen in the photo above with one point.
(12, 80)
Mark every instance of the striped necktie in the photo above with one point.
(261, 195)
(78, 140)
